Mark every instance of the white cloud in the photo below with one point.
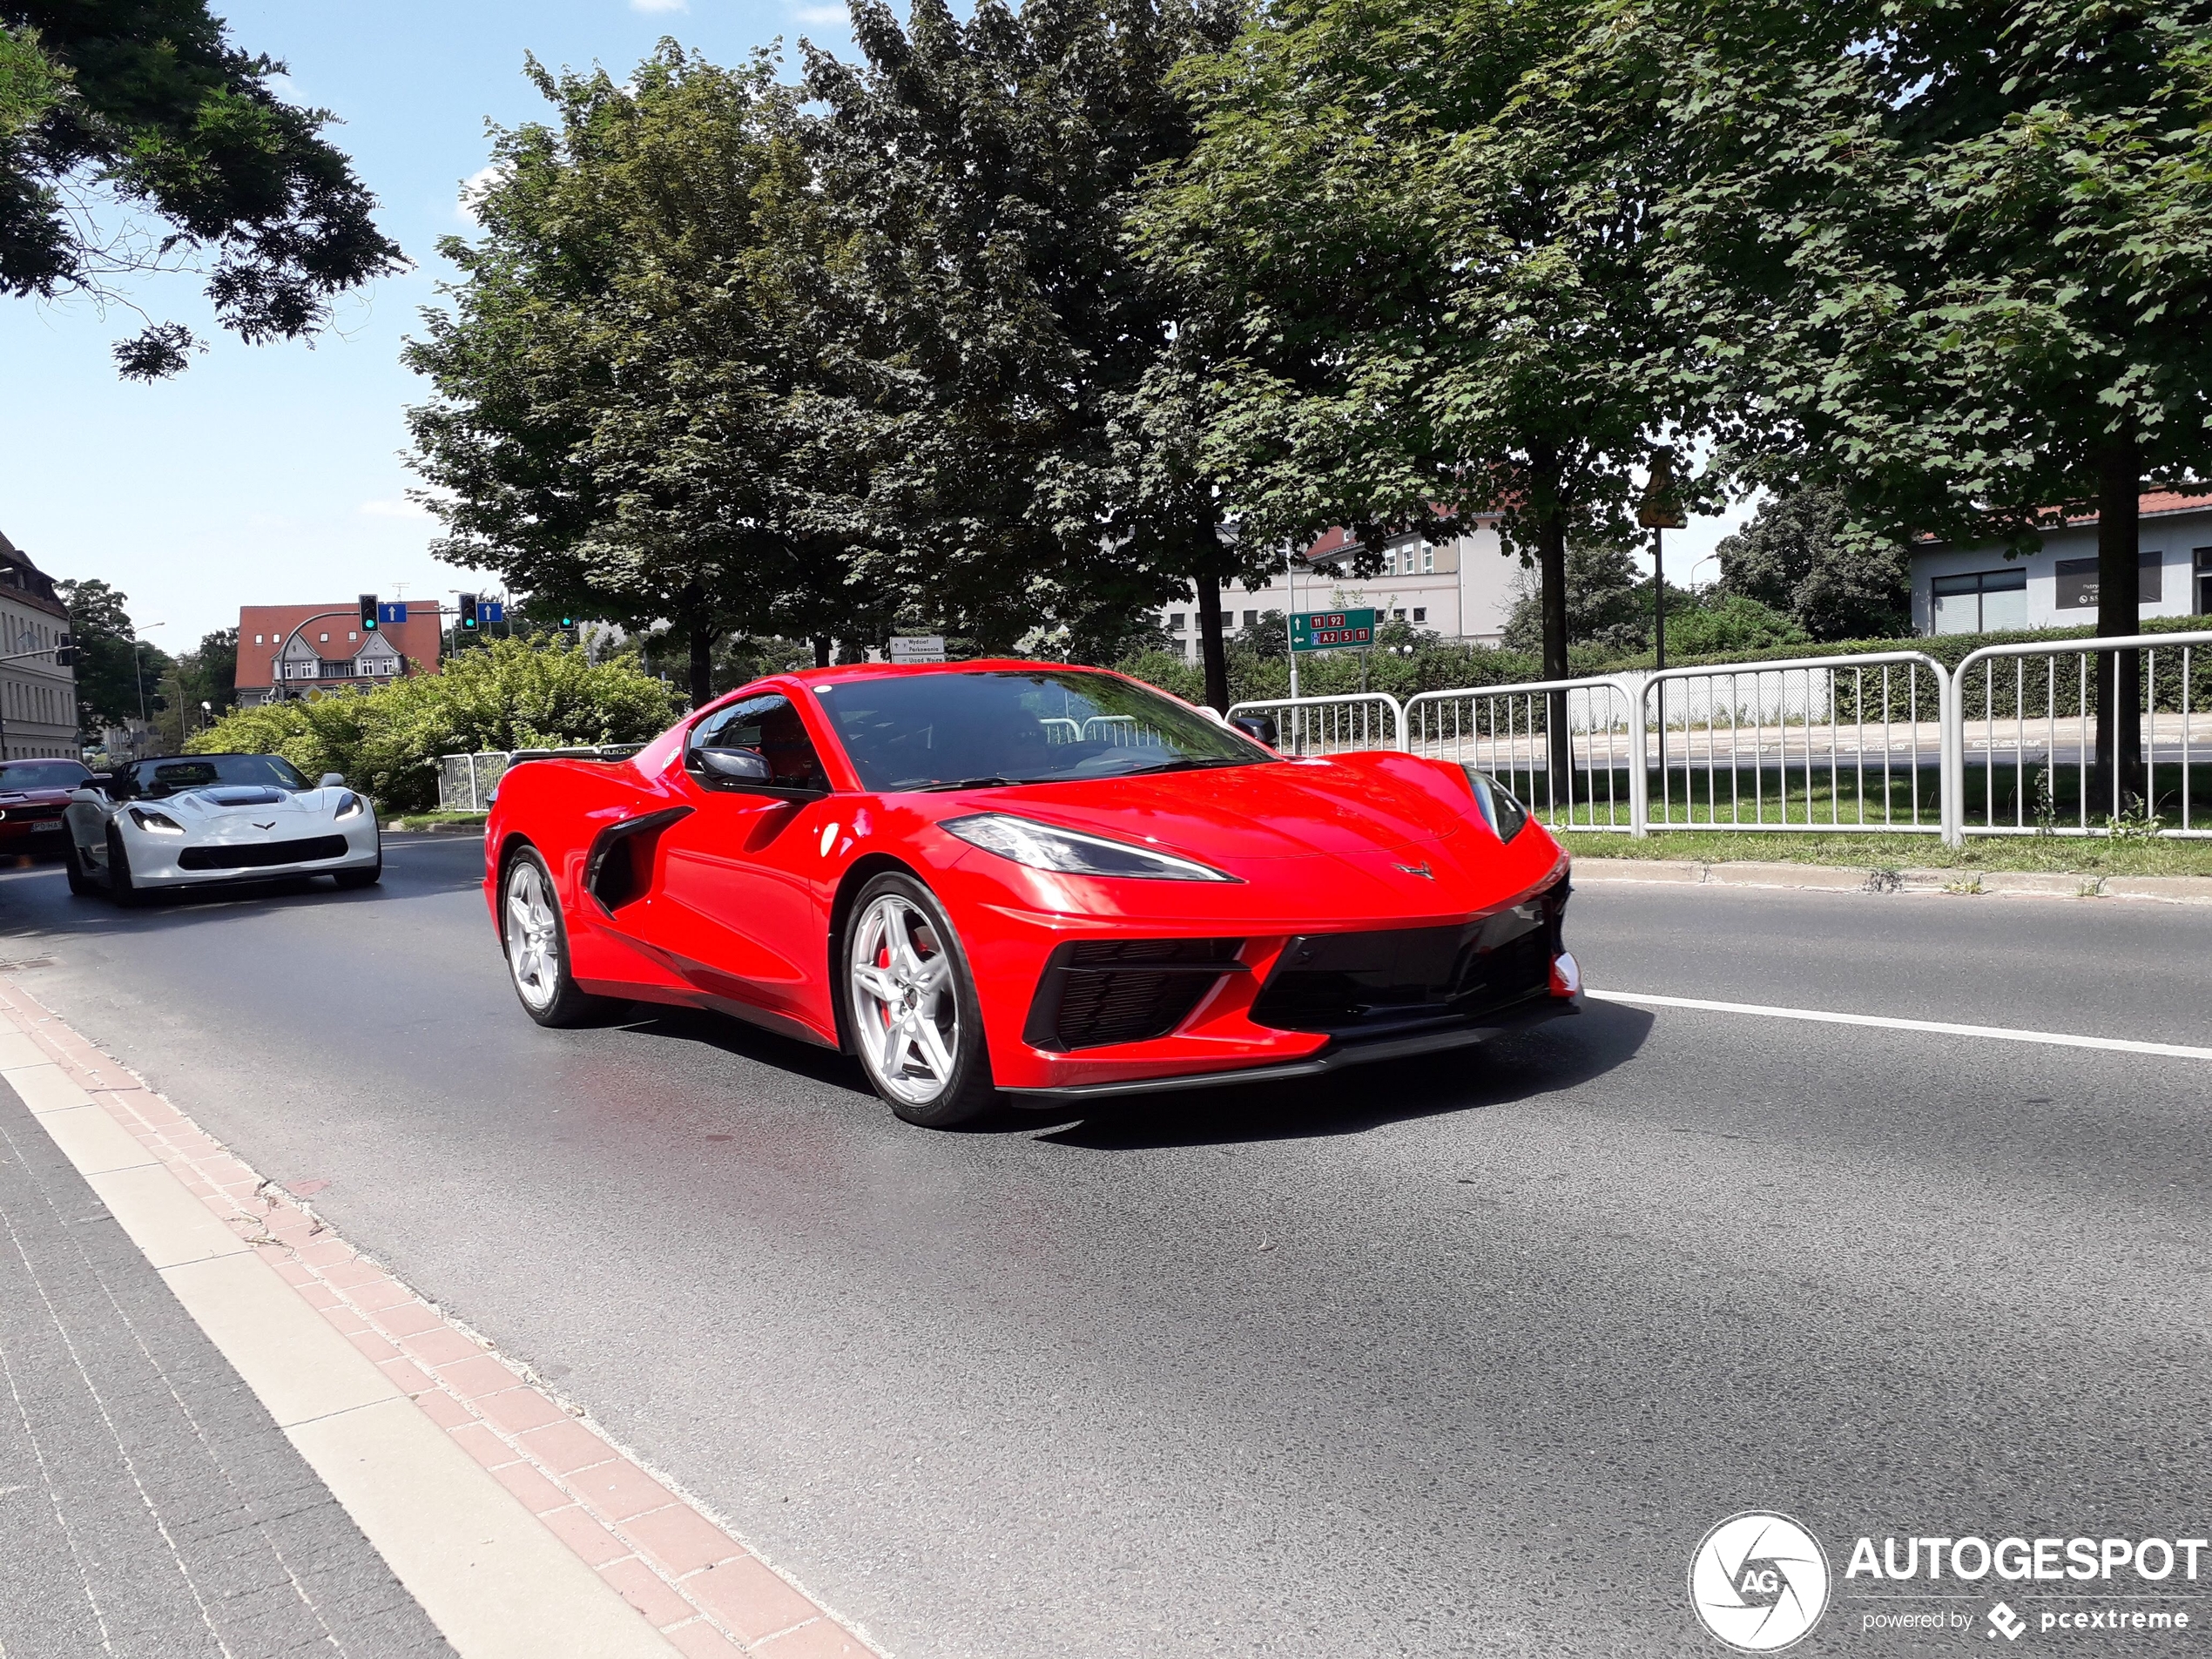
(472, 189)
(659, 6)
(394, 510)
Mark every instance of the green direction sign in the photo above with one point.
(1331, 629)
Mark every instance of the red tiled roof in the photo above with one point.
(2156, 501)
(418, 638)
(1338, 539)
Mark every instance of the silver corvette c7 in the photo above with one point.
(195, 821)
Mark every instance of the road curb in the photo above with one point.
(1832, 878)
(524, 1531)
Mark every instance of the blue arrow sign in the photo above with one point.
(490, 610)
(390, 611)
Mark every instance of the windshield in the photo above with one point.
(154, 779)
(41, 774)
(1019, 727)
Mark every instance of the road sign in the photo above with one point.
(1331, 629)
(918, 647)
(492, 609)
(391, 612)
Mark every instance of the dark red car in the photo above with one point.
(1027, 879)
(32, 795)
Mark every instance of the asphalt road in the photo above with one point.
(1455, 1356)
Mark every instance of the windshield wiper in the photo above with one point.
(967, 783)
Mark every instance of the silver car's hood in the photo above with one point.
(226, 806)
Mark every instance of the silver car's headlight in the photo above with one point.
(1499, 810)
(1047, 847)
(158, 823)
(350, 807)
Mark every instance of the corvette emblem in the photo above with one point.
(1420, 870)
(272, 825)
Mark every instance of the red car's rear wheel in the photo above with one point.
(912, 1006)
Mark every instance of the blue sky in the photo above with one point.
(274, 474)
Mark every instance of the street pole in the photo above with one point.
(1290, 644)
(1659, 592)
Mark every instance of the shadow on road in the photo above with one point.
(1560, 1056)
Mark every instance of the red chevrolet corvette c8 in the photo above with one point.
(1027, 879)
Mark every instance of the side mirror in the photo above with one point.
(734, 765)
(86, 797)
(331, 780)
(1260, 727)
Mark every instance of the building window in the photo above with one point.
(1176, 620)
(1984, 603)
(325, 638)
(1399, 615)
(257, 639)
(1428, 557)
(2077, 581)
(1251, 619)
(350, 634)
(2204, 581)
(1420, 613)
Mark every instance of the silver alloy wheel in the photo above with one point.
(533, 951)
(906, 1008)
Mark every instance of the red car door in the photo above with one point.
(739, 907)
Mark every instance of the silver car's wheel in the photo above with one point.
(914, 1018)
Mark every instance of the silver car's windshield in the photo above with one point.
(151, 780)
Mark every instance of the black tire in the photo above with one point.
(935, 1086)
(119, 885)
(73, 864)
(548, 991)
(369, 878)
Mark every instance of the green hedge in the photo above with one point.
(507, 694)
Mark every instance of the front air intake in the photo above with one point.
(1124, 990)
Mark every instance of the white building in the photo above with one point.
(1977, 590)
(1460, 588)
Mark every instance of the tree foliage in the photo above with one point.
(1797, 556)
(510, 694)
(116, 675)
(1035, 381)
(626, 422)
(122, 111)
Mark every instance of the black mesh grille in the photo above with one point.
(1124, 990)
(262, 856)
(1350, 984)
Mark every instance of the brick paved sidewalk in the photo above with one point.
(149, 1504)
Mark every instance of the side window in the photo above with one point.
(771, 727)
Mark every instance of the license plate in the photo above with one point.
(45, 829)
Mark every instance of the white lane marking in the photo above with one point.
(1942, 1028)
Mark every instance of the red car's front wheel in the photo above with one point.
(912, 1008)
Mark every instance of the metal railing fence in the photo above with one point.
(1887, 741)
(1824, 742)
(2023, 736)
(1320, 725)
(1516, 732)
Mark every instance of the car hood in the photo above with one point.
(1341, 806)
(34, 798)
(220, 805)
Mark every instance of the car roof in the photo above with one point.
(844, 673)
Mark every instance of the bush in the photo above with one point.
(511, 694)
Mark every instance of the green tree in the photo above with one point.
(1951, 257)
(141, 115)
(117, 677)
(1038, 464)
(1439, 275)
(622, 422)
(1796, 557)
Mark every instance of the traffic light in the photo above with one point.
(368, 613)
(469, 612)
(65, 653)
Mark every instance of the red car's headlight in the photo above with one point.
(1066, 851)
